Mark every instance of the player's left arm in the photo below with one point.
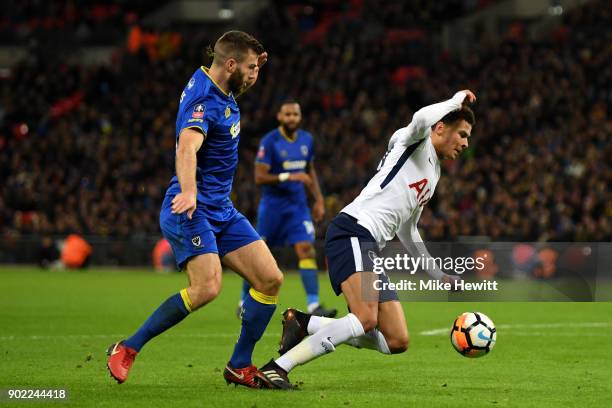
(411, 239)
(426, 117)
(318, 208)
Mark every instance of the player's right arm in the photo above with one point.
(428, 116)
(190, 141)
(263, 164)
(263, 176)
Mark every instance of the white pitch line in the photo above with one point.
(118, 336)
(446, 330)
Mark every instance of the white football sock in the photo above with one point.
(312, 307)
(373, 340)
(316, 322)
(323, 341)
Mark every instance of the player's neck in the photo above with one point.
(219, 76)
(288, 135)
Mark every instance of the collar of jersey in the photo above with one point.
(205, 70)
(290, 140)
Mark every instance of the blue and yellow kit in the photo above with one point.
(216, 226)
(283, 216)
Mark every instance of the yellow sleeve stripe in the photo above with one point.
(196, 127)
(309, 263)
(261, 298)
(186, 300)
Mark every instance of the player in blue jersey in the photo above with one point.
(284, 166)
(198, 218)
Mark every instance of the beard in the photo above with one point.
(289, 128)
(236, 82)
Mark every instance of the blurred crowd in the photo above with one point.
(42, 23)
(90, 149)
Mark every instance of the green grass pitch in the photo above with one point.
(55, 327)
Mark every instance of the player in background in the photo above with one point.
(283, 167)
(390, 205)
(198, 217)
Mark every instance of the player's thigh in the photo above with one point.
(270, 226)
(392, 324)
(304, 250)
(204, 274)
(362, 300)
(300, 230)
(255, 263)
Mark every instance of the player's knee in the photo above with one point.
(305, 251)
(270, 284)
(203, 294)
(398, 344)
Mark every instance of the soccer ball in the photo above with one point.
(473, 334)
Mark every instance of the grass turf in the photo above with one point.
(55, 327)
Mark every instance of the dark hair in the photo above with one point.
(287, 101)
(465, 113)
(235, 44)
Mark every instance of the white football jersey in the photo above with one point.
(392, 202)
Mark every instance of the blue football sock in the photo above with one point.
(245, 290)
(169, 313)
(258, 310)
(308, 272)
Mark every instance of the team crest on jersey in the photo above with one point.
(235, 130)
(228, 112)
(196, 241)
(198, 111)
(304, 150)
(283, 153)
(191, 83)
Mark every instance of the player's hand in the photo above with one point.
(469, 96)
(184, 202)
(262, 59)
(301, 177)
(318, 211)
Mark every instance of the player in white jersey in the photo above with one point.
(390, 205)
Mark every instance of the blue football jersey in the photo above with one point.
(204, 106)
(284, 155)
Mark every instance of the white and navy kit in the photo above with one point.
(391, 203)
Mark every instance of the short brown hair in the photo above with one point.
(465, 113)
(235, 44)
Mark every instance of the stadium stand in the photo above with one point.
(89, 149)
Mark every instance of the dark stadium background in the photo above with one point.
(89, 93)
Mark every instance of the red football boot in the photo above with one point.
(246, 376)
(120, 360)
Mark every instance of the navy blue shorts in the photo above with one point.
(350, 248)
(284, 224)
(217, 231)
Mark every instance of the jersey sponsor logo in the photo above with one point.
(304, 150)
(294, 164)
(235, 130)
(228, 112)
(423, 192)
(198, 111)
(196, 241)
(191, 83)
(261, 153)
